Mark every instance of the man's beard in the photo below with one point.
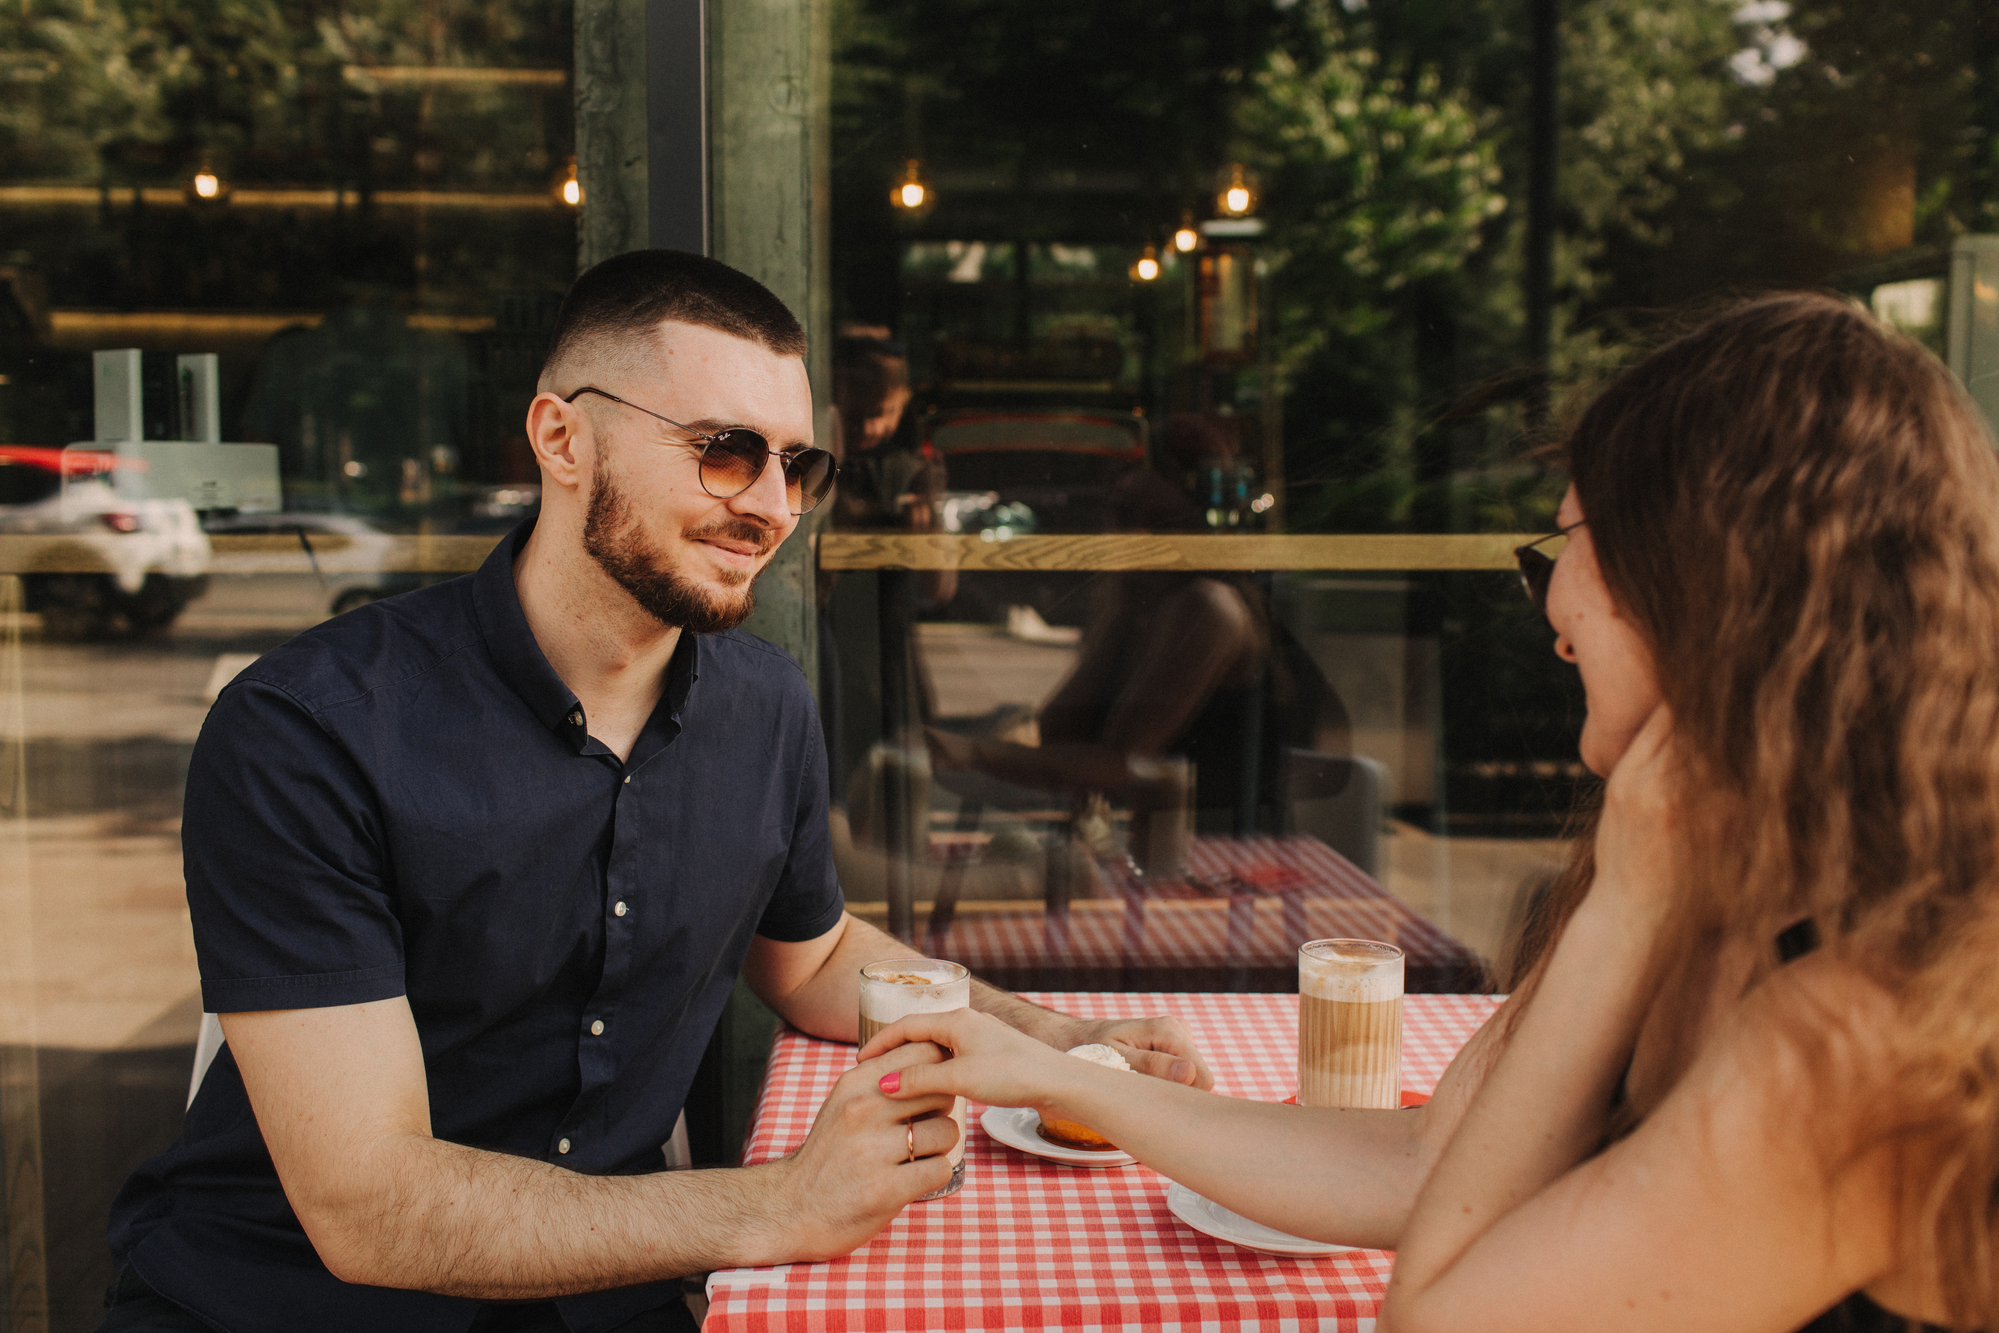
(621, 550)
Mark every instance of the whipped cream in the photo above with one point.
(1097, 1053)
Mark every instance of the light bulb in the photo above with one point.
(1185, 239)
(1148, 269)
(1237, 198)
(207, 185)
(910, 193)
(569, 186)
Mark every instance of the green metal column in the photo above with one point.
(770, 64)
(611, 128)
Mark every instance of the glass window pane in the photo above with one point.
(272, 300)
(1122, 280)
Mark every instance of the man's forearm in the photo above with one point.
(1044, 1025)
(828, 1006)
(464, 1222)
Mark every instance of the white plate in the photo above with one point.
(1211, 1219)
(1019, 1127)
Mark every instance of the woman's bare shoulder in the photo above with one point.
(1813, 1057)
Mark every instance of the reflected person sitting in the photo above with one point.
(1751, 1081)
(1174, 666)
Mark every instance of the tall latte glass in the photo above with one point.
(904, 986)
(1350, 1024)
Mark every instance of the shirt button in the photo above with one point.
(619, 909)
(597, 1028)
(575, 717)
(563, 1146)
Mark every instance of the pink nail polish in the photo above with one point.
(891, 1082)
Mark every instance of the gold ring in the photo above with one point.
(910, 1127)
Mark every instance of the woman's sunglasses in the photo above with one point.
(1536, 567)
(732, 461)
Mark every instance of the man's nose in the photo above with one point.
(766, 498)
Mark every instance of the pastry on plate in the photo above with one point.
(1059, 1129)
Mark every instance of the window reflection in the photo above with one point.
(353, 214)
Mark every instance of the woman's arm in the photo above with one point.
(1749, 1200)
(1547, 1102)
(1344, 1176)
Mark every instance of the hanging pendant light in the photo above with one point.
(910, 192)
(1237, 197)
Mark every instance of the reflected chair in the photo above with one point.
(1336, 799)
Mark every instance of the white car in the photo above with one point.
(338, 560)
(93, 563)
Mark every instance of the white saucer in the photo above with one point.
(1018, 1127)
(1211, 1219)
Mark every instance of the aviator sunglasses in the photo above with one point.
(1537, 568)
(732, 461)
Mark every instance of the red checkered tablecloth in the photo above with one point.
(1031, 1244)
(1244, 903)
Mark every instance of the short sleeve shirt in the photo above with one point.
(407, 801)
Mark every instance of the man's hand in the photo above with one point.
(1161, 1046)
(950, 751)
(854, 1173)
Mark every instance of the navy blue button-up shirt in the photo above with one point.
(407, 801)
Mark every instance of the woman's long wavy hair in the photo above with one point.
(1799, 509)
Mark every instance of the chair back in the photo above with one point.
(205, 1047)
(1334, 798)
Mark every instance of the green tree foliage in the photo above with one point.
(1374, 182)
(140, 91)
(71, 90)
(1405, 395)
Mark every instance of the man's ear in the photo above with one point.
(557, 432)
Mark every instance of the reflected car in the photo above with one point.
(346, 556)
(96, 565)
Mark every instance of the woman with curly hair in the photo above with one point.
(1751, 1079)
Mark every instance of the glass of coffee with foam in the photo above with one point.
(1349, 1024)
(899, 987)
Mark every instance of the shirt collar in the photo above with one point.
(504, 626)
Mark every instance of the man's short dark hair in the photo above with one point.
(629, 295)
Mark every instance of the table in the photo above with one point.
(1233, 922)
(1030, 1244)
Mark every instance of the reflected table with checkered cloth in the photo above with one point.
(1232, 921)
(1032, 1244)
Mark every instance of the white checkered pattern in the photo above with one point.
(1030, 1244)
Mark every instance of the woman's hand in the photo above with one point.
(991, 1062)
(1640, 834)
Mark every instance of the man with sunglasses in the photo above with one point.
(473, 870)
